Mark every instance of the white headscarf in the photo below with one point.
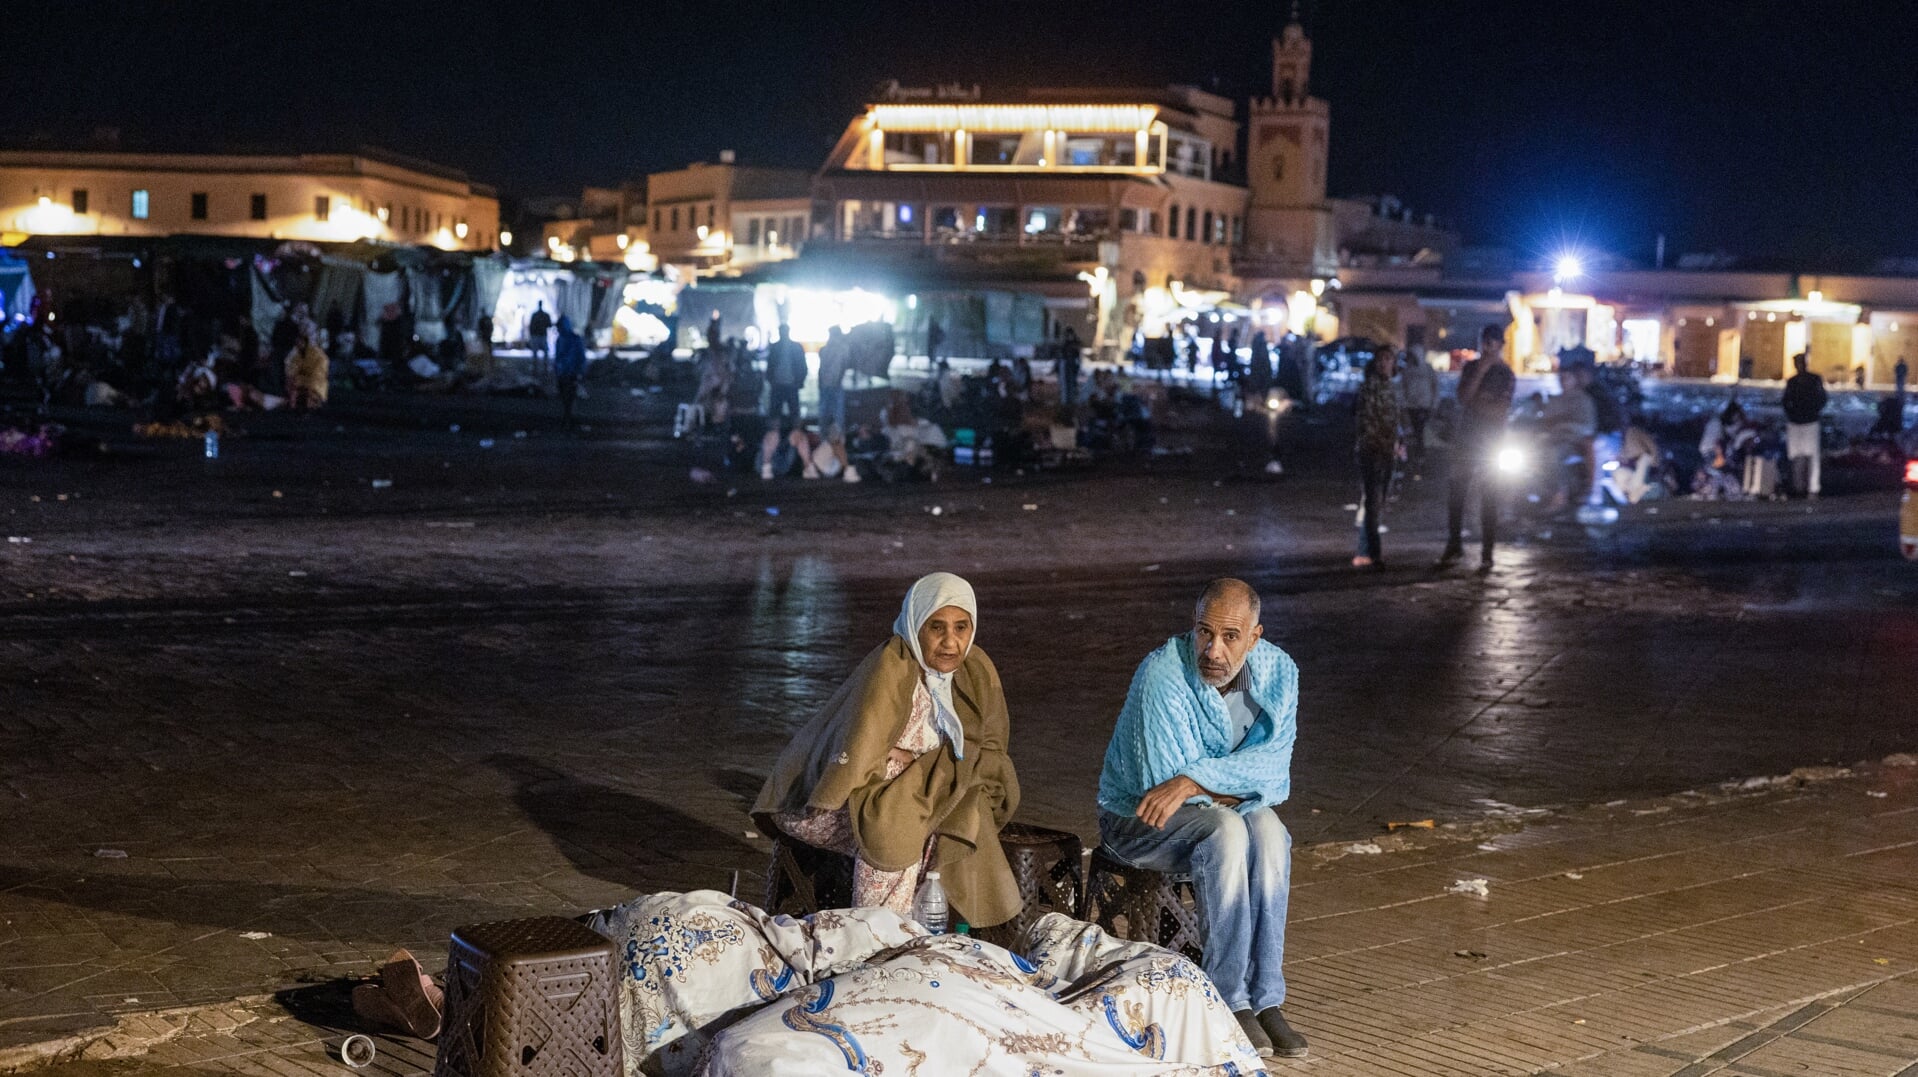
(931, 594)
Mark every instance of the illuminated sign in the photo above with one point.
(891, 90)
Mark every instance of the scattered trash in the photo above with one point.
(1881, 960)
(277, 494)
(486, 443)
(296, 572)
(256, 935)
(129, 1000)
(937, 510)
(454, 429)
(1030, 507)
(1574, 875)
(1877, 794)
(1232, 512)
(381, 484)
(732, 491)
(110, 854)
(772, 510)
(1660, 810)
(1150, 568)
(750, 833)
(1901, 759)
(1475, 955)
(1487, 847)
(1352, 507)
(18, 540)
(357, 1051)
(1471, 886)
(519, 433)
(702, 475)
(1581, 1020)
(1417, 824)
(1364, 848)
(986, 481)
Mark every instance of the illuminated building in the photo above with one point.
(1086, 198)
(364, 195)
(721, 218)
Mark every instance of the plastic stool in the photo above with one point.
(530, 998)
(1158, 908)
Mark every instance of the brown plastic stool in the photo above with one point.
(530, 998)
(1158, 908)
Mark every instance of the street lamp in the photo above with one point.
(1569, 267)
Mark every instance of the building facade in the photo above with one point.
(365, 195)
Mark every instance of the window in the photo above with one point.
(140, 204)
(752, 231)
(322, 207)
(257, 210)
(199, 205)
(675, 218)
(1172, 222)
(79, 200)
(658, 215)
(1205, 236)
(709, 214)
(993, 149)
(1192, 223)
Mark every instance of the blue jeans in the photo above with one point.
(832, 408)
(1241, 866)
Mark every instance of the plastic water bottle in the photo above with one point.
(212, 444)
(930, 907)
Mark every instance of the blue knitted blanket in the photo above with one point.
(1174, 723)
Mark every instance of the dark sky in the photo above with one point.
(1759, 127)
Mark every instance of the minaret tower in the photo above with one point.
(1289, 224)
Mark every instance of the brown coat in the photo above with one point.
(839, 761)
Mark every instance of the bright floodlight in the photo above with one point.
(1568, 267)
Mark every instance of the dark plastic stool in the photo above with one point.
(1050, 868)
(530, 998)
(1157, 907)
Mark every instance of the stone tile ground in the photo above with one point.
(550, 674)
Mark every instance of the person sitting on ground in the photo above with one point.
(905, 768)
(1200, 756)
(306, 370)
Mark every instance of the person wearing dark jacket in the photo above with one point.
(1804, 405)
(569, 362)
(785, 373)
(1378, 452)
(1485, 387)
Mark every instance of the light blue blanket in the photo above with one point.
(1174, 723)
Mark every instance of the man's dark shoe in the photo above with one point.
(1485, 563)
(1255, 1032)
(1452, 556)
(1286, 1043)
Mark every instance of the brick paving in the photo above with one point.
(547, 675)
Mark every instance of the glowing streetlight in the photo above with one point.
(506, 238)
(1569, 267)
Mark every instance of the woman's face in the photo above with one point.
(945, 638)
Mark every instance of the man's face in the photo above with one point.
(945, 638)
(1492, 347)
(1222, 636)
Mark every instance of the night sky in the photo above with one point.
(1762, 128)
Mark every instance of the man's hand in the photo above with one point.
(1160, 801)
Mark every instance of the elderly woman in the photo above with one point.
(905, 768)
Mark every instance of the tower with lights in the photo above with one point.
(1289, 223)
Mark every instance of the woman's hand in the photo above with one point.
(901, 757)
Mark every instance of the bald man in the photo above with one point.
(1201, 754)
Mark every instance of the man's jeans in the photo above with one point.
(1241, 866)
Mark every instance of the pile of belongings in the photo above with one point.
(714, 987)
(42, 440)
